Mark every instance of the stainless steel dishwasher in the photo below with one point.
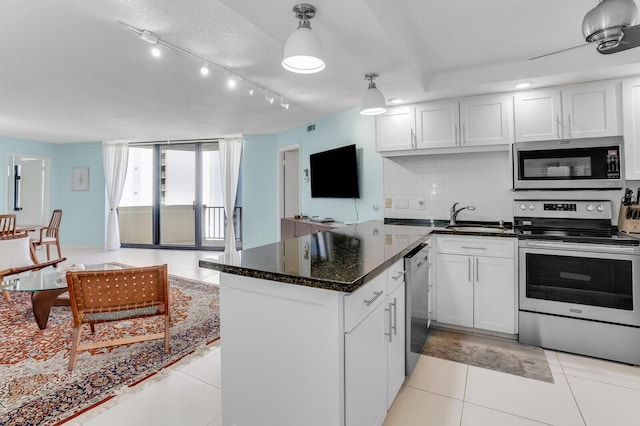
(416, 266)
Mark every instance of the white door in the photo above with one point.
(455, 289)
(437, 124)
(538, 115)
(32, 205)
(394, 129)
(631, 111)
(291, 183)
(494, 294)
(485, 120)
(590, 110)
(396, 346)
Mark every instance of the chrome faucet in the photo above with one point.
(453, 215)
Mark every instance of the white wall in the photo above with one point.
(482, 180)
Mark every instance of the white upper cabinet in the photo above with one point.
(571, 112)
(472, 121)
(437, 124)
(631, 110)
(395, 129)
(486, 120)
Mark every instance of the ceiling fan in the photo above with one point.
(610, 26)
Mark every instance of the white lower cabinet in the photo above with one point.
(338, 358)
(366, 370)
(476, 282)
(375, 349)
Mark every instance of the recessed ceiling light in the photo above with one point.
(395, 101)
(155, 52)
(232, 82)
(523, 85)
(204, 70)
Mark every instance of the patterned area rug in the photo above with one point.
(493, 353)
(37, 389)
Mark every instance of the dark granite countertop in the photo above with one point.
(342, 259)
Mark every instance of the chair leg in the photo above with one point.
(48, 254)
(93, 327)
(59, 251)
(74, 346)
(6, 295)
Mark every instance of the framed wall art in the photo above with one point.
(80, 179)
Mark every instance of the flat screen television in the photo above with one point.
(334, 173)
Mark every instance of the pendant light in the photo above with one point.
(302, 51)
(373, 100)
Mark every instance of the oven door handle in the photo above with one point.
(584, 247)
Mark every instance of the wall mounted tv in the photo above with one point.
(334, 173)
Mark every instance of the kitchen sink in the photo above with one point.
(476, 228)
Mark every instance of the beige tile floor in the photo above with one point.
(585, 391)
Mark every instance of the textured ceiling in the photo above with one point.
(71, 73)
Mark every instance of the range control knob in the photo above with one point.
(523, 206)
(532, 206)
(590, 207)
(600, 207)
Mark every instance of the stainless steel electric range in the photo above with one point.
(578, 279)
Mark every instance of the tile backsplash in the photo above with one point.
(426, 186)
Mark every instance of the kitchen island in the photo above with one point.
(306, 327)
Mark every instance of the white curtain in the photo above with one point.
(115, 156)
(230, 154)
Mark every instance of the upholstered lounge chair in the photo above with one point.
(114, 295)
(17, 255)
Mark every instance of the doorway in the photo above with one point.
(289, 181)
(28, 188)
(173, 198)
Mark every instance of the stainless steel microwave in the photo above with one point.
(569, 164)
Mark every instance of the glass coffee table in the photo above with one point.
(45, 285)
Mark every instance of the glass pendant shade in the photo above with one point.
(302, 52)
(373, 101)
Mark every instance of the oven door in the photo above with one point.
(588, 281)
(568, 165)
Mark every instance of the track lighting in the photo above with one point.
(233, 80)
(269, 97)
(372, 100)
(302, 51)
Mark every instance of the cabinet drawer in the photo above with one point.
(363, 301)
(477, 246)
(395, 275)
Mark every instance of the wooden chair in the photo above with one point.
(7, 225)
(114, 295)
(51, 234)
(17, 255)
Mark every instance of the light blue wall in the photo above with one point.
(83, 221)
(83, 211)
(259, 196)
(83, 218)
(260, 161)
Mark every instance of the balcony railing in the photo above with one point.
(215, 223)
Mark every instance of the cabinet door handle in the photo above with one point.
(376, 294)
(477, 271)
(473, 248)
(413, 139)
(569, 125)
(469, 269)
(395, 316)
(558, 126)
(463, 138)
(456, 133)
(388, 311)
(398, 275)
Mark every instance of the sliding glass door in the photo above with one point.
(173, 198)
